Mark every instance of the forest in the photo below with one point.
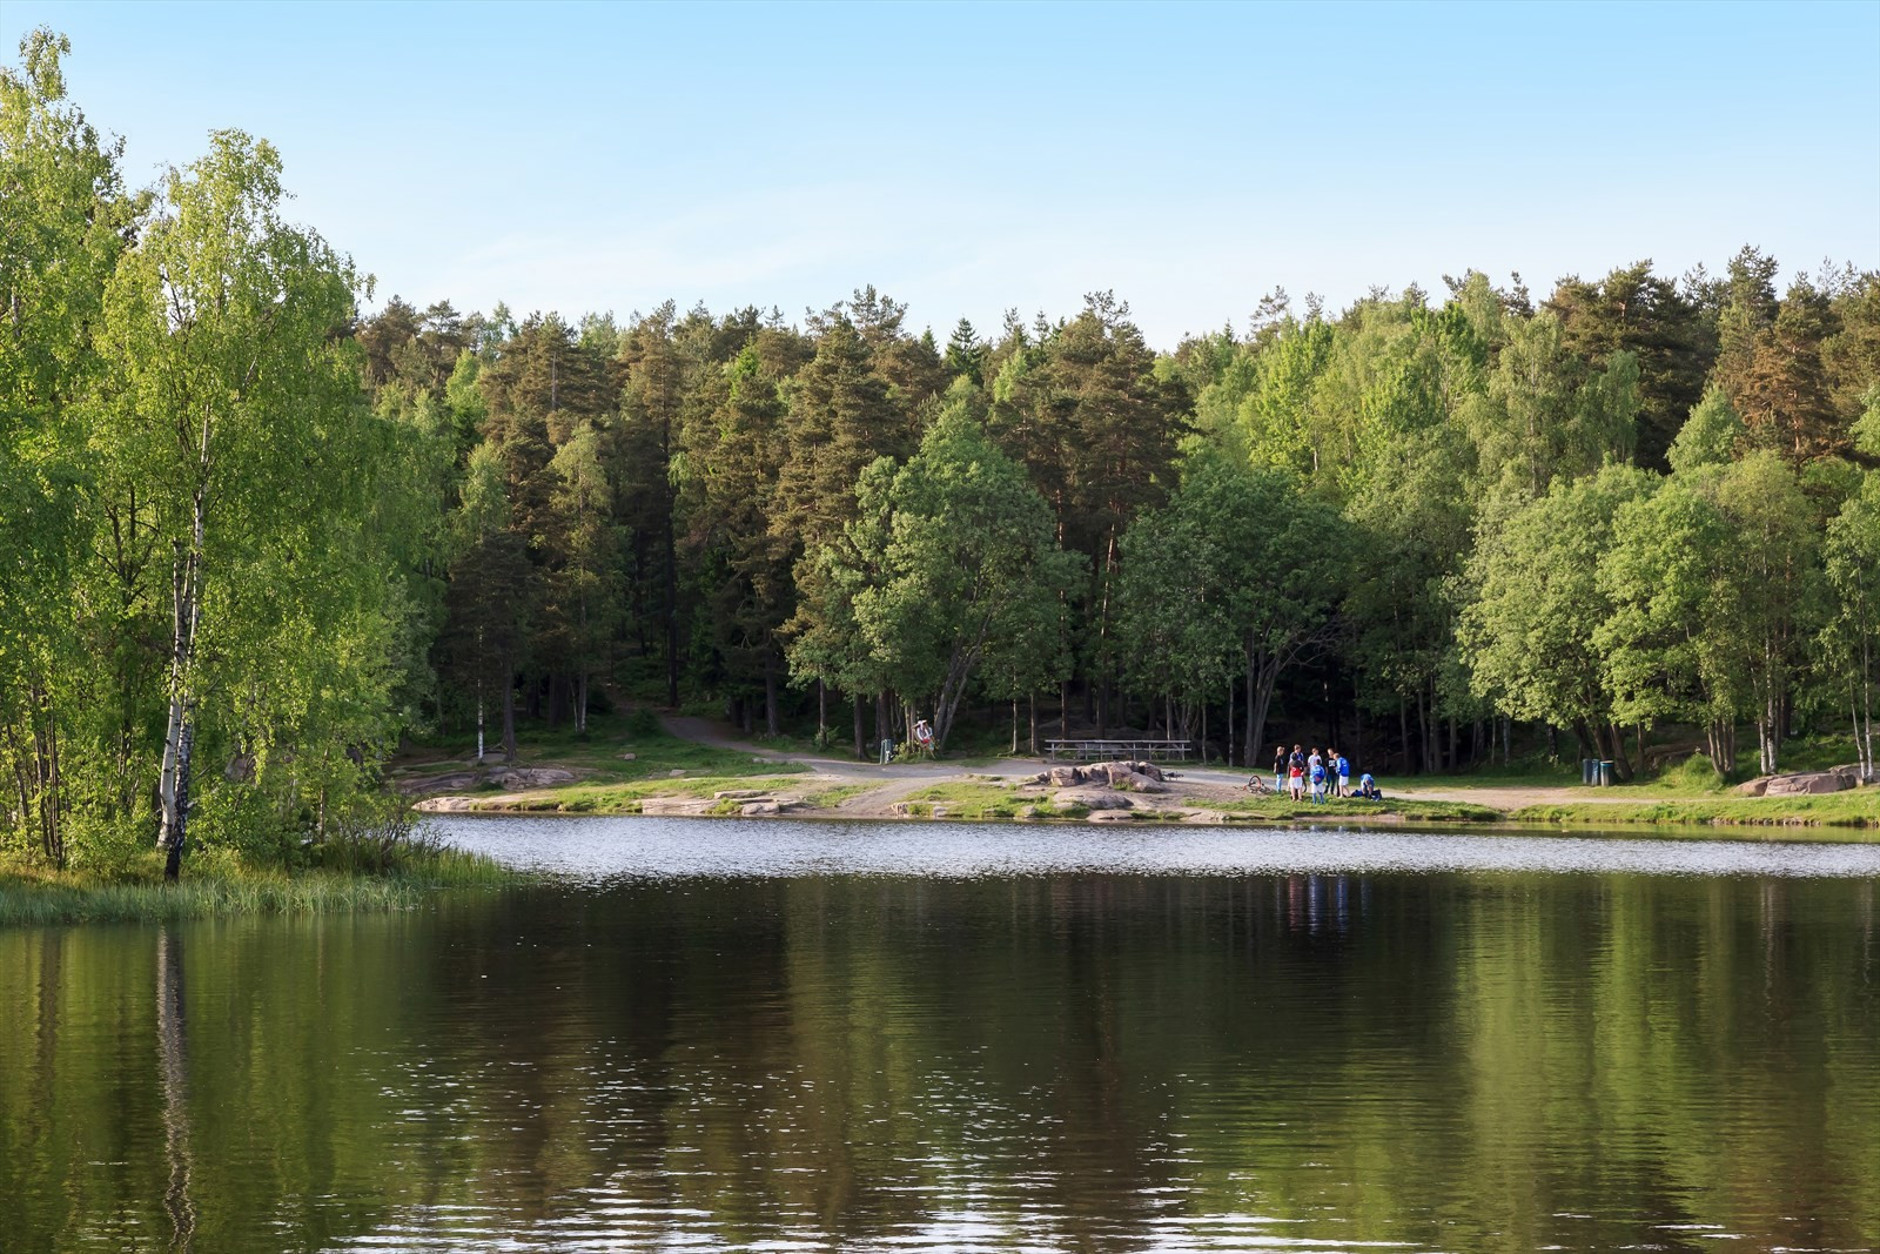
(253, 537)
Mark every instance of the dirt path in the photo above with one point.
(886, 785)
(899, 780)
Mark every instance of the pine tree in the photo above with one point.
(1785, 395)
(1634, 311)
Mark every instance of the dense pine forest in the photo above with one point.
(252, 537)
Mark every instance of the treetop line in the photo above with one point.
(253, 538)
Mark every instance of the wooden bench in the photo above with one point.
(1087, 750)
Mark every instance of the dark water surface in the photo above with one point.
(787, 1036)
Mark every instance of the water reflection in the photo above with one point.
(173, 1050)
(1076, 1061)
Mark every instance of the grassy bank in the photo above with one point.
(1282, 809)
(976, 799)
(986, 800)
(626, 798)
(30, 896)
(621, 748)
(1859, 809)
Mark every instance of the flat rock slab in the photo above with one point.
(533, 777)
(446, 805)
(677, 805)
(1091, 799)
(1108, 816)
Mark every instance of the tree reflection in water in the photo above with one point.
(173, 1051)
(1090, 1061)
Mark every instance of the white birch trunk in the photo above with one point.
(173, 780)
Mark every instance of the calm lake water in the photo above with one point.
(782, 1036)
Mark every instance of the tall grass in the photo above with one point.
(28, 898)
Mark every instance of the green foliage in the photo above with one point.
(1529, 632)
(1240, 574)
(1548, 413)
(950, 553)
(1867, 430)
(1667, 642)
(1661, 326)
(1712, 436)
(1850, 638)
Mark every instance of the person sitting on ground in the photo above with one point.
(1367, 788)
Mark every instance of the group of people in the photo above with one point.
(1318, 776)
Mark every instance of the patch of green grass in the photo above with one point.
(969, 799)
(1858, 808)
(833, 796)
(625, 798)
(1813, 753)
(36, 897)
(1284, 808)
(597, 754)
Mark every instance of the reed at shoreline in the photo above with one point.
(30, 897)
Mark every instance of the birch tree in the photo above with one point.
(232, 387)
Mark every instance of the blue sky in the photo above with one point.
(970, 158)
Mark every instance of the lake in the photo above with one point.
(780, 1036)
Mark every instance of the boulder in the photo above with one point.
(752, 809)
(1808, 782)
(1062, 777)
(1755, 787)
(1091, 799)
(1204, 816)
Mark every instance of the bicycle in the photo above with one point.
(1257, 785)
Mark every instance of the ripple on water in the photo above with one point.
(602, 849)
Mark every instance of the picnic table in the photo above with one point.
(1084, 749)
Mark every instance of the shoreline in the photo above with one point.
(674, 764)
(1845, 817)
